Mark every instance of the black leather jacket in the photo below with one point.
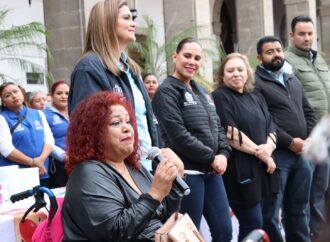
(100, 205)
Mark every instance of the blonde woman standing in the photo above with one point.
(251, 134)
(105, 66)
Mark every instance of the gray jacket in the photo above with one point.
(100, 205)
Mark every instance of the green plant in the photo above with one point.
(19, 41)
(253, 62)
(152, 56)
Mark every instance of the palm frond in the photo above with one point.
(23, 64)
(155, 56)
(19, 42)
(205, 83)
(33, 31)
(24, 49)
(3, 15)
(6, 78)
(49, 80)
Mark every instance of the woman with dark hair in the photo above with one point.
(191, 127)
(58, 119)
(106, 66)
(25, 137)
(251, 134)
(109, 195)
(151, 83)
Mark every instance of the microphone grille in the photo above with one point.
(153, 152)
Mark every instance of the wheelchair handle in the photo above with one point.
(22, 195)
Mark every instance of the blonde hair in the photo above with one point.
(101, 37)
(249, 85)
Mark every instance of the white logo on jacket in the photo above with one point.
(20, 127)
(38, 125)
(117, 89)
(57, 120)
(189, 100)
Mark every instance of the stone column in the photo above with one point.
(65, 22)
(184, 14)
(325, 28)
(268, 19)
(301, 7)
(178, 15)
(203, 19)
(250, 25)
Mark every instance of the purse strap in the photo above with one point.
(20, 120)
(176, 216)
(199, 237)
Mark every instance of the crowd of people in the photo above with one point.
(239, 147)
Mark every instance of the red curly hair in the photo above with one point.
(56, 84)
(89, 123)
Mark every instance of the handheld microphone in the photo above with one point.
(155, 155)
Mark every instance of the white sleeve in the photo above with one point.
(58, 153)
(49, 139)
(6, 144)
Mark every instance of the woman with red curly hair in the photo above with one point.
(109, 195)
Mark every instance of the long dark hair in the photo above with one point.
(6, 84)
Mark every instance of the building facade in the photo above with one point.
(21, 12)
(238, 24)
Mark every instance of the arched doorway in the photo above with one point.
(224, 24)
(280, 25)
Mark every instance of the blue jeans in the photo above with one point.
(249, 219)
(319, 188)
(208, 197)
(296, 178)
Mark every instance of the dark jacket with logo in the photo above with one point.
(288, 106)
(100, 205)
(189, 124)
(90, 76)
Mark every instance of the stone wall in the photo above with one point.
(250, 25)
(65, 23)
(325, 29)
